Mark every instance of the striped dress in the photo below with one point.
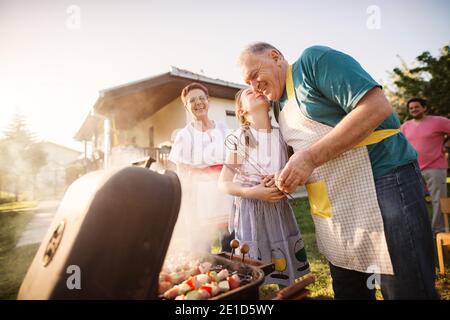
(270, 229)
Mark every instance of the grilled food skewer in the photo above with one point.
(244, 250)
(234, 244)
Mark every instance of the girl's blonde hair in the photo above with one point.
(238, 108)
(249, 139)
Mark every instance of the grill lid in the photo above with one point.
(108, 239)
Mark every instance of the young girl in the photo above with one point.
(263, 219)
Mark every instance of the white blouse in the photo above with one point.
(200, 148)
(265, 158)
(267, 153)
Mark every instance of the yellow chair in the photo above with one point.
(443, 238)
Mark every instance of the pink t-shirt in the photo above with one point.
(427, 137)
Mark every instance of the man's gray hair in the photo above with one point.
(257, 48)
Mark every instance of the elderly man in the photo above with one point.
(361, 174)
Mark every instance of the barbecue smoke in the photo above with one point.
(200, 226)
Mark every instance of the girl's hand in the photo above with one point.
(261, 192)
(269, 181)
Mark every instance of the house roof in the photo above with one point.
(59, 146)
(132, 102)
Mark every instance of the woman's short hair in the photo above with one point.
(190, 87)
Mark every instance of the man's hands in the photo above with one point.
(296, 172)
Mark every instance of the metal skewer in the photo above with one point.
(232, 143)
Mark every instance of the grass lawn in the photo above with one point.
(14, 261)
(319, 265)
(17, 205)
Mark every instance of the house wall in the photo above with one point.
(217, 108)
(165, 122)
(172, 117)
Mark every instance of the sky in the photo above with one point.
(55, 56)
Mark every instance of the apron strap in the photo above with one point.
(290, 83)
(377, 136)
(373, 138)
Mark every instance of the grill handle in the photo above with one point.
(296, 291)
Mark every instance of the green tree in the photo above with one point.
(21, 157)
(5, 163)
(428, 79)
(17, 131)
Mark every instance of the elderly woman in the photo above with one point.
(198, 152)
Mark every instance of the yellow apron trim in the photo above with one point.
(289, 83)
(318, 199)
(375, 137)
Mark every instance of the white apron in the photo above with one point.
(210, 206)
(342, 195)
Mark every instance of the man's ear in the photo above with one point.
(276, 56)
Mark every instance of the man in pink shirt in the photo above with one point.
(427, 135)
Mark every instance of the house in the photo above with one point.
(51, 180)
(141, 118)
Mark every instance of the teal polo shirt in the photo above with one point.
(328, 85)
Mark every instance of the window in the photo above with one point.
(151, 137)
